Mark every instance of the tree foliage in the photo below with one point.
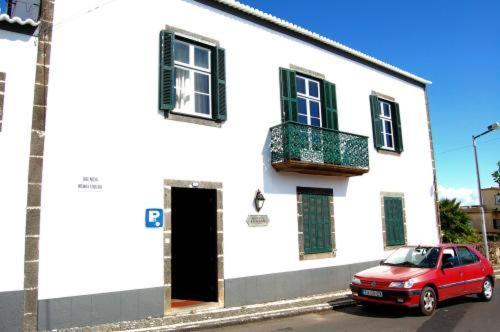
(496, 174)
(455, 224)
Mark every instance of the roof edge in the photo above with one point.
(315, 36)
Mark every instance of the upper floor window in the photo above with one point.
(496, 223)
(308, 101)
(386, 118)
(24, 9)
(192, 79)
(386, 121)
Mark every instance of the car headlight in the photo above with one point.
(402, 284)
(355, 280)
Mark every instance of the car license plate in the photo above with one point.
(369, 292)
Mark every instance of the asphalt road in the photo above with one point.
(462, 314)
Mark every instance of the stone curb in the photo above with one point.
(249, 318)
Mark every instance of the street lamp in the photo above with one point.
(491, 127)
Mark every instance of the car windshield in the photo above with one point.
(422, 257)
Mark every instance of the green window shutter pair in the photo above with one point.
(378, 138)
(288, 94)
(394, 223)
(316, 223)
(167, 77)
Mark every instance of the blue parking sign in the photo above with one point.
(154, 218)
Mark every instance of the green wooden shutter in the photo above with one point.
(316, 223)
(330, 119)
(288, 93)
(219, 107)
(378, 139)
(396, 120)
(167, 71)
(394, 224)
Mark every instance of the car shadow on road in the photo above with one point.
(387, 311)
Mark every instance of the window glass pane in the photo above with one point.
(201, 57)
(201, 83)
(302, 119)
(202, 104)
(301, 85)
(387, 125)
(466, 256)
(314, 108)
(313, 89)
(182, 93)
(315, 122)
(301, 102)
(181, 52)
(386, 109)
(389, 141)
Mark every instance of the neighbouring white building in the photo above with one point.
(18, 54)
(192, 108)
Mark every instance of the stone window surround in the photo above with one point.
(302, 254)
(181, 117)
(2, 91)
(402, 196)
(167, 236)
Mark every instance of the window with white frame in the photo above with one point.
(308, 101)
(387, 125)
(192, 79)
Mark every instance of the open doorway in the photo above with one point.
(194, 246)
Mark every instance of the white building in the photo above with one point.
(191, 109)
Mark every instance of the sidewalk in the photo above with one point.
(496, 269)
(217, 317)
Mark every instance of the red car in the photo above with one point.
(420, 276)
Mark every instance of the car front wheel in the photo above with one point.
(487, 293)
(428, 301)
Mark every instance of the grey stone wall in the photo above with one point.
(11, 311)
(96, 309)
(288, 285)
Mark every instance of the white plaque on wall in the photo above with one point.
(257, 220)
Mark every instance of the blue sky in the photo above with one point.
(454, 44)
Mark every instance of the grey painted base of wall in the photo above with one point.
(99, 308)
(287, 285)
(11, 311)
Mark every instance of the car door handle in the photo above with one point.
(461, 274)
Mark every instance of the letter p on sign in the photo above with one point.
(154, 218)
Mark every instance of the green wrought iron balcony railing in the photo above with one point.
(306, 149)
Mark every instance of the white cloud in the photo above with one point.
(467, 196)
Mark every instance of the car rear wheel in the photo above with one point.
(428, 301)
(487, 293)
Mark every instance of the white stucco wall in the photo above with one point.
(103, 121)
(17, 60)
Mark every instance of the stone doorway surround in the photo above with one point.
(167, 236)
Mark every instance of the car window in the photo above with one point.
(466, 256)
(449, 257)
(421, 257)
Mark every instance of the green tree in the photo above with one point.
(496, 174)
(455, 224)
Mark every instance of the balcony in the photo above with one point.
(311, 150)
(20, 15)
